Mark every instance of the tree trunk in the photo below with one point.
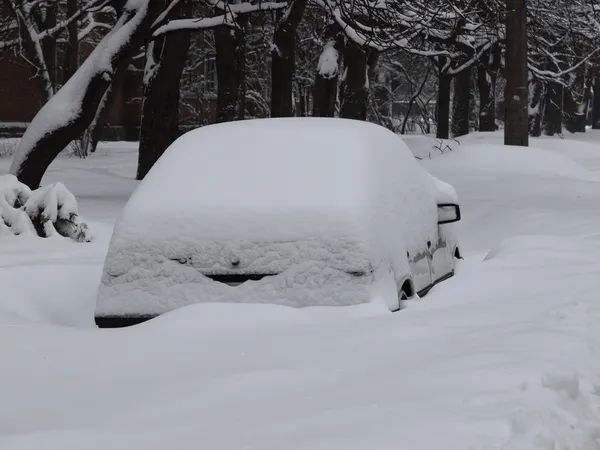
(230, 48)
(443, 102)
(72, 49)
(283, 59)
(552, 121)
(98, 125)
(413, 99)
(301, 101)
(328, 70)
(596, 104)
(516, 131)
(536, 108)
(59, 122)
(240, 46)
(34, 51)
(569, 112)
(580, 125)
(578, 93)
(165, 61)
(487, 74)
(49, 44)
(462, 103)
(356, 91)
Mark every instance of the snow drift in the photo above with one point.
(502, 357)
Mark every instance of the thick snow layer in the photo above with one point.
(346, 194)
(503, 356)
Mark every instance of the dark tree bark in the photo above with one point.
(230, 57)
(49, 44)
(241, 51)
(487, 104)
(596, 104)
(536, 106)
(96, 128)
(413, 99)
(462, 103)
(487, 75)
(40, 144)
(35, 55)
(165, 58)
(552, 120)
(580, 125)
(283, 59)
(569, 112)
(326, 84)
(443, 102)
(355, 95)
(576, 98)
(301, 101)
(72, 49)
(372, 61)
(516, 131)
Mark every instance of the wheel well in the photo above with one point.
(457, 253)
(408, 288)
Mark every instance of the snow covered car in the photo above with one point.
(295, 211)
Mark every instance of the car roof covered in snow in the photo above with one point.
(280, 178)
(271, 166)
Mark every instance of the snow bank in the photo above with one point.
(522, 161)
(485, 152)
(48, 211)
(520, 191)
(271, 194)
(500, 357)
(503, 356)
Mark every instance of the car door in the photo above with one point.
(442, 261)
(420, 266)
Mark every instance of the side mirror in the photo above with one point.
(448, 213)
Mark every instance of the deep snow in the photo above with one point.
(503, 356)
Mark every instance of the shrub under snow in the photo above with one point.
(48, 211)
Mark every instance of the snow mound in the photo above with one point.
(542, 158)
(520, 161)
(47, 212)
(536, 246)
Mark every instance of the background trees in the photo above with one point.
(411, 65)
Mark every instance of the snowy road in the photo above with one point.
(503, 356)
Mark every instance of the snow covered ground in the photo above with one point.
(503, 356)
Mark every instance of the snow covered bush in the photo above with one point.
(48, 211)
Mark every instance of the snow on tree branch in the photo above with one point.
(228, 18)
(68, 113)
(195, 24)
(46, 212)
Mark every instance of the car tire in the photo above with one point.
(402, 295)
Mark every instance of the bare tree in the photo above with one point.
(68, 113)
(165, 61)
(284, 59)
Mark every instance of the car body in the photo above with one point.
(297, 212)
